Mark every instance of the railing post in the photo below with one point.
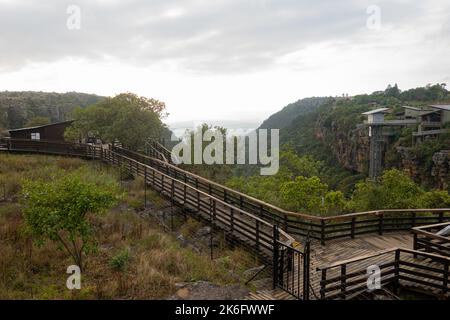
(232, 220)
(380, 224)
(413, 219)
(323, 278)
(275, 247)
(415, 244)
(322, 232)
(145, 187)
(198, 201)
(445, 279)
(397, 271)
(353, 227)
(306, 264)
(441, 217)
(257, 236)
(343, 281)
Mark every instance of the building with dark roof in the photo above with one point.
(49, 132)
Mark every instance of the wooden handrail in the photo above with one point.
(289, 239)
(423, 230)
(380, 253)
(323, 228)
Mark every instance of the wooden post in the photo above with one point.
(275, 256)
(413, 219)
(445, 279)
(353, 228)
(322, 232)
(322, 284)
(415, 244)
(396, 272)
(232, 220)
(145, 187)
(343, 281)
(257, 236)
(380, 224)
(306, 265)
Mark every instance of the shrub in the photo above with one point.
(120, 261)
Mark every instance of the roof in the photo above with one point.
(445, 107)
(412, 108)
(39, 127)
(381, 110)
(425, 112)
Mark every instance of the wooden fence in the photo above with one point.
(426, 239)
(347, 279)
(316, 227)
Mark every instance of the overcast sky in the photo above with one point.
(223, 59)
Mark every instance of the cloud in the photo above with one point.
(193, 35)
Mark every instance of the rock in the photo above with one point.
(203, 290)
(203, 231)
(182, 240)
(183, 293)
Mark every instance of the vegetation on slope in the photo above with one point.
(132, 257)
(19, 109)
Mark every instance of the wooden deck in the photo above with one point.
(338, 250)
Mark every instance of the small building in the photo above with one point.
(49, 132)
(444, 112)
(376, 116)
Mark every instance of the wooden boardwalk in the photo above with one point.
(338, 250)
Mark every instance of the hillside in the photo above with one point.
(19, 108)
(284, 117)
(329, 133)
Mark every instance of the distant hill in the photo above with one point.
(285, 116)
(19, 108)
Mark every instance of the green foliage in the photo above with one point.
(435, 199)
(59, 211)
(126, 118)
(120, 261)
(37, 121)
(17, 109)
(303, 194)
(395, 190)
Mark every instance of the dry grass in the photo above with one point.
(134, 259)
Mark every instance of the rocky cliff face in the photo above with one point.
(441, 169)
(350, 147)
(351, 150)
(439, 174)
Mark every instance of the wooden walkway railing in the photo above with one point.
(321, 228)
(426, 239)
(252, 230)
(346, 279)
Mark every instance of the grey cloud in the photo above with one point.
(211, 36)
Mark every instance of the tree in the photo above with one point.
(58, 211)
(127, 118)
(37, 121)
(304, 194)
(394, 190)
(392, 91)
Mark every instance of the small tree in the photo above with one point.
(58, 211)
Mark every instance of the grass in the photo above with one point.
(134, 257)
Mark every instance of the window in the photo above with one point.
(35, 136)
